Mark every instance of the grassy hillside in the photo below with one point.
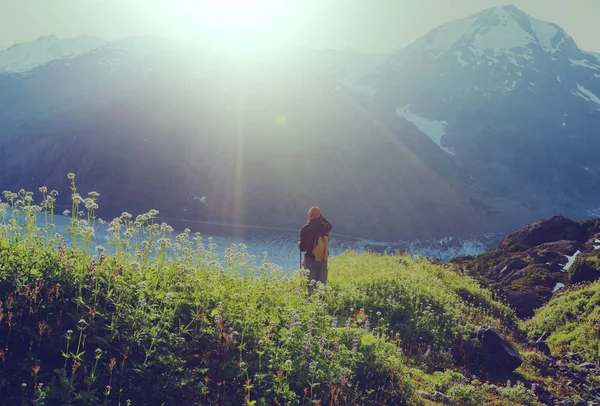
(572, 321)
(156, 318)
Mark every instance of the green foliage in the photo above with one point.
(422, 302)
(518, 395)
(160, 319)
(573, 322)
(467, 395)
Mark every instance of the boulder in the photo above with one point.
(502, 356)
(556, 228)
(543, 348)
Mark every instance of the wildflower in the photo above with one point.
(334, 322)
(348, 321)
(71, 176)
(336, 347)
(312, 367)
(533, 387)
(343, 378)
(508, 383)
(428, 349)
(323, 342)
(367, 326)
(307, 345)
(23, 385)
(354, 344)
(378, 314)
(463, 381)
(242, 364)
(142, 303)
(329, 355)
(43, 189)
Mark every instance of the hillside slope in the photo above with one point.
(160, 318)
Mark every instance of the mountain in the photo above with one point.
(262, 140)
(26, 56)
(484, 125)
(510, 99)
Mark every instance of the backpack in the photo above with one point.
(321, 249)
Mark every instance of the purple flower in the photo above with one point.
(323, 342)
(336, 347)
(348, 321)
(307, 345)
(508, 383)
(329, 355)
(519, 383)
(354, 344)
(91, 272)
(312, 367)
(312, 328)
(334, 322)
(533, 387)
(367, 326)
(463, 381)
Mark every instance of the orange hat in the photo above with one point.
(314, 212)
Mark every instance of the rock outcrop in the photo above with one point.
(531, 265)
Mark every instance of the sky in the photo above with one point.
(365, 25)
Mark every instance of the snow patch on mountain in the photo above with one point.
(587, 95)
(570, 261)
(585, 63)
(434, 129)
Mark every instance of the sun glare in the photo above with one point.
(239, 23)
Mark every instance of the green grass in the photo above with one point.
(573, 321)
(155, 318)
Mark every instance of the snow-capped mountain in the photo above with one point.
(26, 56)
(510, 99)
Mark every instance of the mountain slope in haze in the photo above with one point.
(25, 56)
(512, 100)
(262, 140)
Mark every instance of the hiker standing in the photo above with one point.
(314, 242)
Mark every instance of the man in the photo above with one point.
(314, 242)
